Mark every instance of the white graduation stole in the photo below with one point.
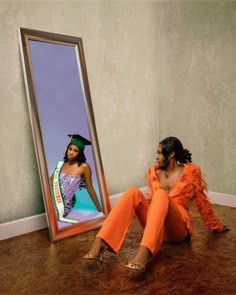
(57, 196)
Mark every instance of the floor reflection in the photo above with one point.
(80, 215)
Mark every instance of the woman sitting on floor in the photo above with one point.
(173, 183)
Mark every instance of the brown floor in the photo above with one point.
(30, 264)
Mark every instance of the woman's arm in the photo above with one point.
(204, 206)
(206, 211)
(152, 182)
(87, 174)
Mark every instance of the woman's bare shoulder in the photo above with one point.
(85, 167)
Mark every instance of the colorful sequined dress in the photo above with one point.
(69, 185)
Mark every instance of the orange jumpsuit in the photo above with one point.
(166, 218)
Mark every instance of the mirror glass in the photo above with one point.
(64, 132)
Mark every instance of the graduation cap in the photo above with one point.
(79, 141)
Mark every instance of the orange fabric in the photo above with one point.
(164, 222)
(190, 187)
(166, 218)
(117, 222)
(161, 218)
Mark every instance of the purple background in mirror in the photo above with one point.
(60, 99)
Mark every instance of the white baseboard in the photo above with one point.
(22, 226)
(37, 222)
(222, 199)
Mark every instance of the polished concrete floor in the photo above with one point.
(30, 264)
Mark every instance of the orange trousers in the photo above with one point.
(161, 220)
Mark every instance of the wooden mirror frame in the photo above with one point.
(25, 37)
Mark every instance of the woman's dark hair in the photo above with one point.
(173, 144)
(81, 156)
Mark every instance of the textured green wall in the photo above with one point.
(120, 47)
(155, 69)
(197, 85)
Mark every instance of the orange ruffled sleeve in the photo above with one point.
(152, 183)
(201, 201)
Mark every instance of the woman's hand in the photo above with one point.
(224, 229)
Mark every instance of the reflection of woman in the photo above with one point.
(70, 175)
(174, 182)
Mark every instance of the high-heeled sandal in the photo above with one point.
(137, 266)
(99, 256)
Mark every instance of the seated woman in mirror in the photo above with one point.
(174, 182)
(70, 175)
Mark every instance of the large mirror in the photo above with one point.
(64, 132)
